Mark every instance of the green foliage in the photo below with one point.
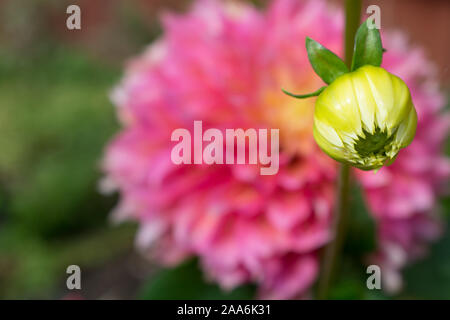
(55, 118)
(27, 268)
(325, 63)
(361, 231)
(187, 282)
(368, 47)
(351, 282)
(430, 278)
(33, 268)
(54, 121)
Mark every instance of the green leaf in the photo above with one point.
(186, 281)
(325, 63)
(302, 96)
(368, 47)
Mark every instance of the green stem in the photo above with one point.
(352, 22)
(333, 249)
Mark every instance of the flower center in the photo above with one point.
(373, 143)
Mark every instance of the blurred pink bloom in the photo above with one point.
(225, 64)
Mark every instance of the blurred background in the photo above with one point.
(55, 119)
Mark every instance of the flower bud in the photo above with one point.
(364, 118)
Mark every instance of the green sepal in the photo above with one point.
(368, 47)
(307, 95)
(325, 63)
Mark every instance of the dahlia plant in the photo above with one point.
(364, 117)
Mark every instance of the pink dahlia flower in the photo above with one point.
(224, 64)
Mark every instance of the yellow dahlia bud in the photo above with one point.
(364, 118)
(365, 115)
